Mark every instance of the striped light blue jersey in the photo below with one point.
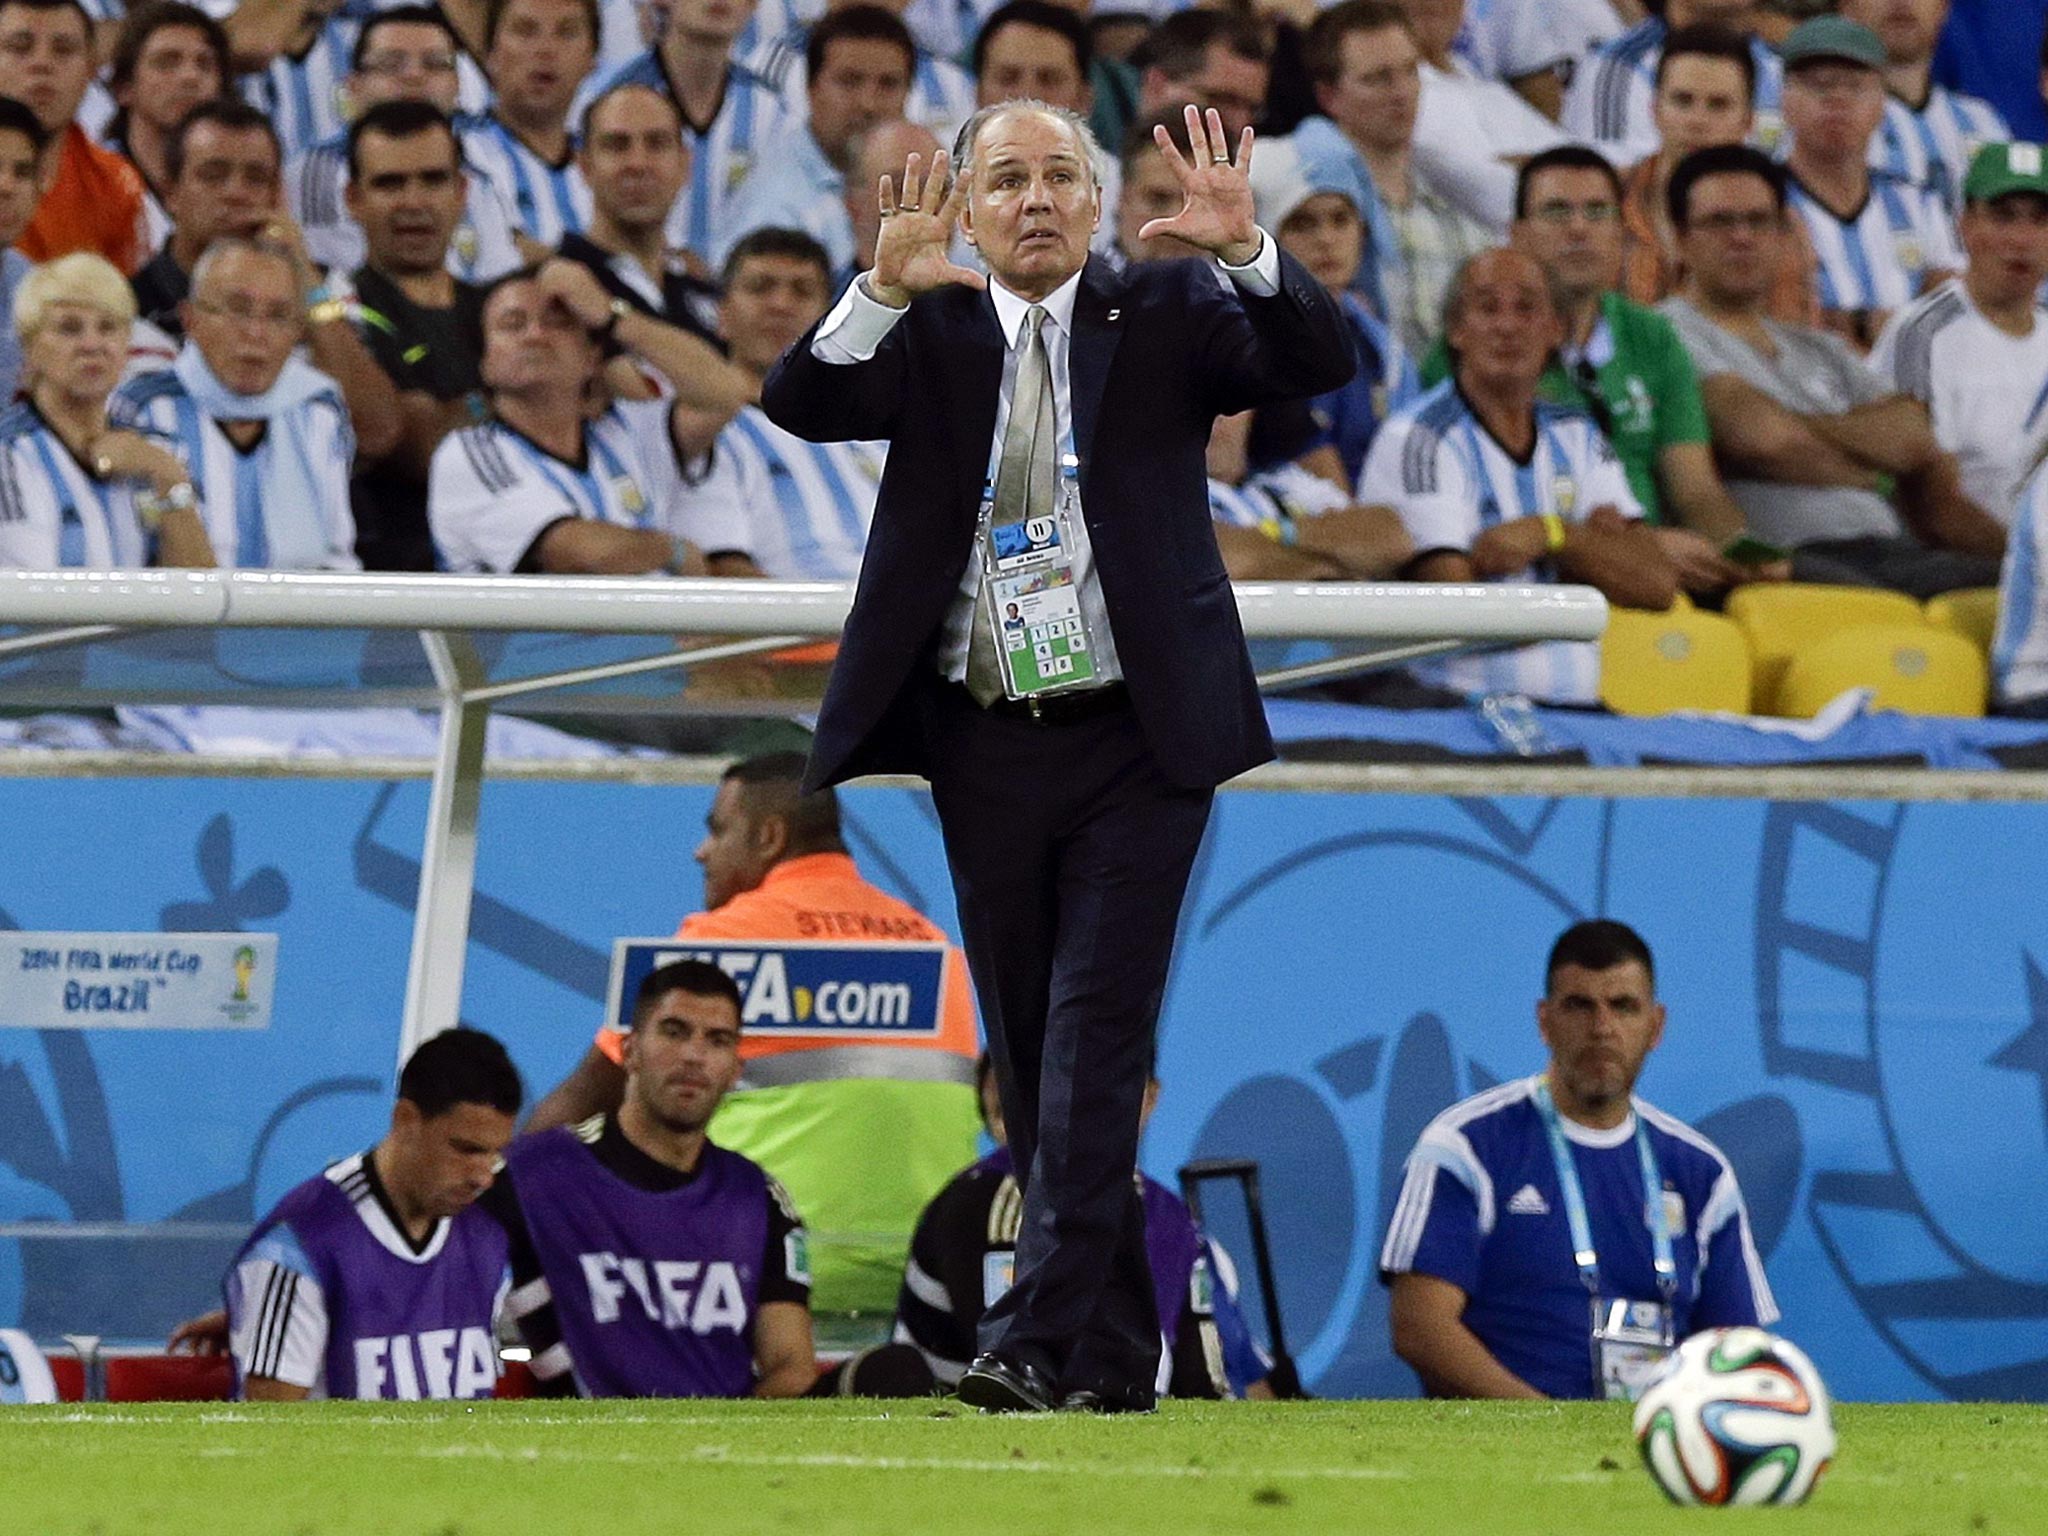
(1611, 97)
(802, 509)
(1932, 147)
(1481, 1207)
(2019, 646)
(1439, 468)
(949, 27)
(722, 153)
(1878, 259)
(1508, 39)
(305, 96)
(793, 187)
(546, 201)
(314, 187)
(255, 504)
(492, 492)
(1268, 501)
(53, 514)
(941, 92)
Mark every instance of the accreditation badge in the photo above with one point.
(1630, 1341)
(998, 1274)
(1034, 608)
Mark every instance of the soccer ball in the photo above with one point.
(1736, 1416)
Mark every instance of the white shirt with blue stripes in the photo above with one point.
(1933, 146)
(53, 514)
(1450, 480)
(723, 153)
(315, 186)
(1613, 93)
(1878, 259)
(2019, 646)
(546, 201)
(804, 508)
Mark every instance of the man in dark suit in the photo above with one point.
(1046, 440)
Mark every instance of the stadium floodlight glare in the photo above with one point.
(704, 619)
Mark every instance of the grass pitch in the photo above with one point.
(617, 1469)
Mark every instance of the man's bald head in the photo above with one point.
(879, 152)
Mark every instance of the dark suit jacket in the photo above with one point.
(1158, 353)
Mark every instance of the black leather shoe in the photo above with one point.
(1130, 1400)
(998, 1385)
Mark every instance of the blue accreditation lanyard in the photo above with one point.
(1583, 1252)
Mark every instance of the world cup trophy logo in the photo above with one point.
(245, 972)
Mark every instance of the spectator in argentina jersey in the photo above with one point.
(1287, 524)
(1609, 104)
(1535, 45)
(381, 1277)
(964, 1254)
(74, 490)
(647, 1261)
(1503, 1189)
(1975, 351)
(860, 61)
(168, 58)
(806, 506)
(406, 53)
(1821, 455)
(729, 111)
(941, 92)
(537, 53)
(22, 141)
(1623, 364)
(2019, 645)
(1705, 83)
(422, 324)
(636, 161)
(1879, 242)
(1496, 484)
(1930, 133)
(544, 485)
(264, 435)
(92, 198)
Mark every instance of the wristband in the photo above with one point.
(680, 555)
(1553, 532)
(1887, 486)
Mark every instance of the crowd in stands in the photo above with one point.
(1668, 298)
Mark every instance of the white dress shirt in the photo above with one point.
(854, 331)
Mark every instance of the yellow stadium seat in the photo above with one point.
(1915, 668)
(1781, 617)
(1653, 663)
(1971, 613)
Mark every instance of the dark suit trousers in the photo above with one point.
(1070, 854)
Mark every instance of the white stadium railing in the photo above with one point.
(48, 610)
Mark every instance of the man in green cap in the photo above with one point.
(1975, 350)
(1879, 241)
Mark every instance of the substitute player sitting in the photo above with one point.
(380, 1278)
(1556, 1236)
(646, 1261)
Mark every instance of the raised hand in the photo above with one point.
(1216, 212)
(913, 255)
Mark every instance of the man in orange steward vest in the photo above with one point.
(862, 1135)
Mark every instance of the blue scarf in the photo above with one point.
(280, 516)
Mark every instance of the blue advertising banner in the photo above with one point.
(1857, 994)
(853, 992)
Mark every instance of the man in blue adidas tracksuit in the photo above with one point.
(1557, 1236)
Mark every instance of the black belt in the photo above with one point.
(1061, 708)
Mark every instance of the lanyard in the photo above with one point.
(1575, 1202)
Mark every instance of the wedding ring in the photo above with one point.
(1223, 160)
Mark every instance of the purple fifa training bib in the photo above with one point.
(655, 1292)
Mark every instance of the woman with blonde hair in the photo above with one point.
(74, 490)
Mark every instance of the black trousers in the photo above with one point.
(1070, 854)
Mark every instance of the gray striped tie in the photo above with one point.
(1024, 489)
